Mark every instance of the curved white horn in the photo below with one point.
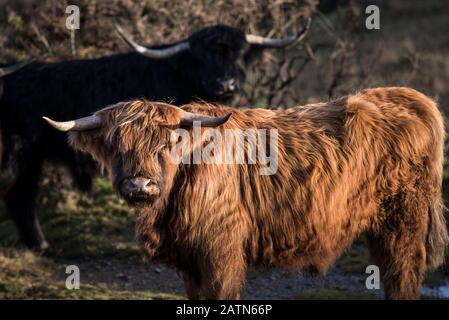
(153, 53)
(278, 43)
(82, 124)
(206, 121)
(8, 70)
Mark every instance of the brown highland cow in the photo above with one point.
(370, 162)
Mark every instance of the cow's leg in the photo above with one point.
(20, 203)
(398, 245)
(223, 272)
(9, 164)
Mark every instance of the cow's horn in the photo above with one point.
(189, 118)
(278, 43)
(153, 53)
(8, 70)
(86, 123)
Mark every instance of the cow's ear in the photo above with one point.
(92, 142)
(83, 141)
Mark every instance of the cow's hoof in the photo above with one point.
(44, 246)
(39, 246)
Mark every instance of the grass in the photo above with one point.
(355, 260)
(26, 275)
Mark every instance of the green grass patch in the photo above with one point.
(355, 260)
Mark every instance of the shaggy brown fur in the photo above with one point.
(370, 162)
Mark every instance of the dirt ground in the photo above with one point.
(133, 275)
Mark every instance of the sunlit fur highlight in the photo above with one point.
(370, 162)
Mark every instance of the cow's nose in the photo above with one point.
(141, 183)
(229, 85)
(139, 187)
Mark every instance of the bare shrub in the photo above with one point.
(37, 28)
